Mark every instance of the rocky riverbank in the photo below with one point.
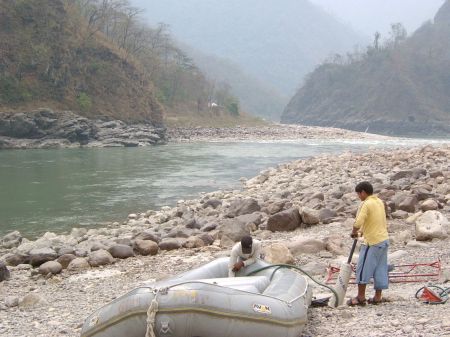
(302, 211)
(46, 129)
(265, 133)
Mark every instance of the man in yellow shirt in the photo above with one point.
(372, 264)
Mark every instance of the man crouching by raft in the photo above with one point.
(371, 223)
(243, 254)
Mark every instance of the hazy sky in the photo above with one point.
(369, 16)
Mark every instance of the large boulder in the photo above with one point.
(148, 235)
(306, 246)
(31, 300)
(402, 237)
(336, 245)
(66, 250)
(180, 232)
(287, 220)
(121, 251)
(65, 260)
(77, 264)
(240, 207)
(310, 216)
(315, 268)
(430, 225)
(234, 229)
(193, 242)
(422, 193)
(399, 214)
(278, 253)
(429, 205)
(327, 215)
(169, 244)
(206, 238)
(402, 175)
(41, 255)
(249, 219)
(146, 247)
(192, 223)
(100, 258)
(50, 267)
(214, 203)
(408, 204)
(16, 259)
(209, 227)
(11, 240)
(4, 272)
(275, 207)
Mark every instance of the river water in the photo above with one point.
(55, 190)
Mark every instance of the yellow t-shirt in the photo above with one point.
(371, 221)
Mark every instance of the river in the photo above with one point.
(55, 190)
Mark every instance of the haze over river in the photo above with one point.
(55, 190)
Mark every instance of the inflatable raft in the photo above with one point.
(204, 302)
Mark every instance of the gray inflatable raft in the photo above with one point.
(204, 302)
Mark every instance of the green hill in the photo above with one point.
(400, 87)
(98, 59)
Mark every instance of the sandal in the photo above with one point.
(355, 301)
(376, 302)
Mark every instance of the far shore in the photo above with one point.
(274, 132)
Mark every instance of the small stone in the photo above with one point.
(11, 301)
(395, 322)
(408, 329)
(325, 254)
(446, 325)
(31, 300)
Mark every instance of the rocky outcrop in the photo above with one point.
(45, 128)
(395, 89)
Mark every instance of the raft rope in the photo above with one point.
(151, 316)
(299, 269)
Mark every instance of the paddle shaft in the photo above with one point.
(355, 241)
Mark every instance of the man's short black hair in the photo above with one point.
(364, 186)
(247, 241)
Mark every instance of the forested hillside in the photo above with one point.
(400, 87)
(99, 59)
(277, 42)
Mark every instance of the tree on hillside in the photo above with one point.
(397, 34)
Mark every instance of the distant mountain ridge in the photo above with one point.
(401, 88)
(275, 41)
(255, 97)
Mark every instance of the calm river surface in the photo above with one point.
(55, 190)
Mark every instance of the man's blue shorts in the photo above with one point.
(372, 263)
